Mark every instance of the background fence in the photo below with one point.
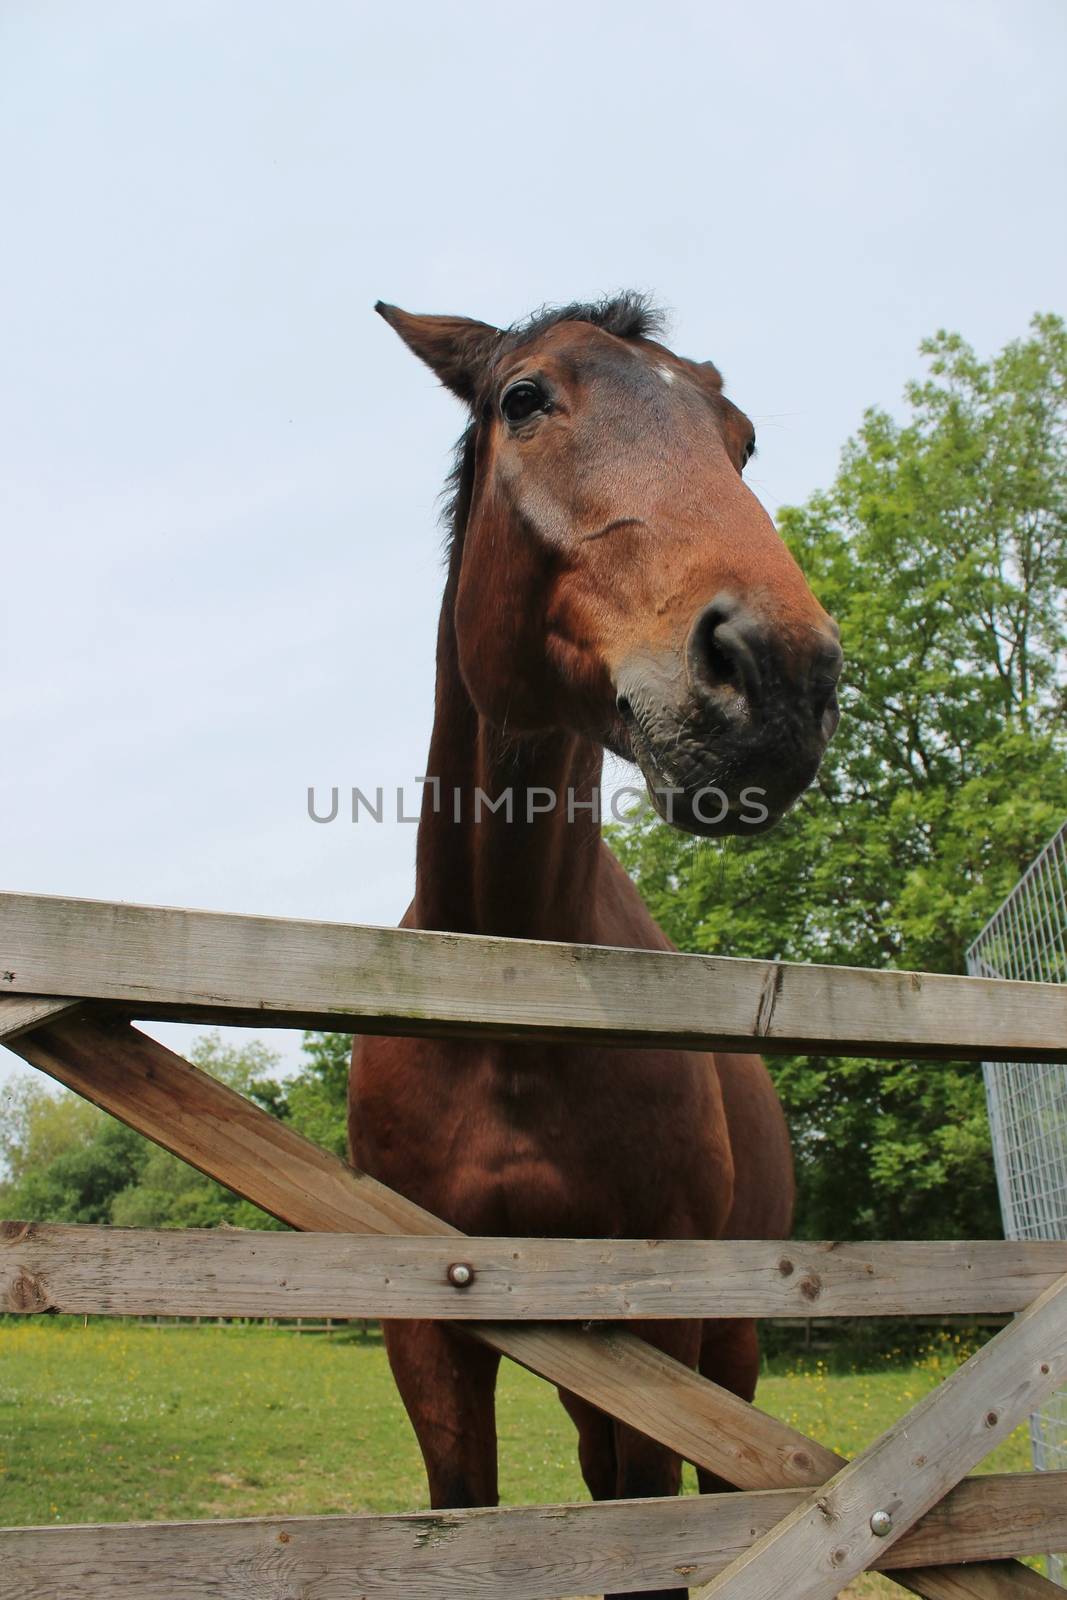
(1027, 939)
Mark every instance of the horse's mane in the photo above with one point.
(628, 315)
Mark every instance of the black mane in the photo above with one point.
(628, 315)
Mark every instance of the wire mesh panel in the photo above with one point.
(1027, 938)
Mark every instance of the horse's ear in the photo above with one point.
(458, 349)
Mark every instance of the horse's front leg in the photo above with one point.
(448, 1385)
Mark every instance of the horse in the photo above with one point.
(612, 584)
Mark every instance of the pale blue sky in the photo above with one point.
(219, 468)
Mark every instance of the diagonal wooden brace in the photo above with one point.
(19, 1013)
(218, 1131)
(830, 1537)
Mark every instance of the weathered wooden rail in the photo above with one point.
(208, 1272)
(507, 1553)
(73, 973)
(202, 966)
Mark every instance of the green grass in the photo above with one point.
(122, 1422)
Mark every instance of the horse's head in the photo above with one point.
(616, 576)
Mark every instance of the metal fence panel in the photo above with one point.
(1027, 939)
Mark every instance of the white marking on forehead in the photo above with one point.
(666, 374)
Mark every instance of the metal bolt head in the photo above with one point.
(460, 1274)
(881, 1523)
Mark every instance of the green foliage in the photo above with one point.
(941, 550)
(37, 1127)
(67, 1162)
(327, 1058)
(317, 1098)
(79, 1183)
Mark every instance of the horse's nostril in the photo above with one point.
(718, 657)
(721, 649)
(624, 708)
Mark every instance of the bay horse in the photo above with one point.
(612, 584)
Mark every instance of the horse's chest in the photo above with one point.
(540, 1141)
(584, 1153)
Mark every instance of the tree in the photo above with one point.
(37, 1126)
(941, 550)
(80, 1183)
(317, 1098)
(68, 1162)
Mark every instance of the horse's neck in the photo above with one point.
(532, 877)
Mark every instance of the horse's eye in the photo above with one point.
(521, 400)
(748, 452)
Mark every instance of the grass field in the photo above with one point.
(121, 1422)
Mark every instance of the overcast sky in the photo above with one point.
(221, 565)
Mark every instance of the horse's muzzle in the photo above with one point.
(730, 737)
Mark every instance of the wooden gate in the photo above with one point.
(72, 975)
